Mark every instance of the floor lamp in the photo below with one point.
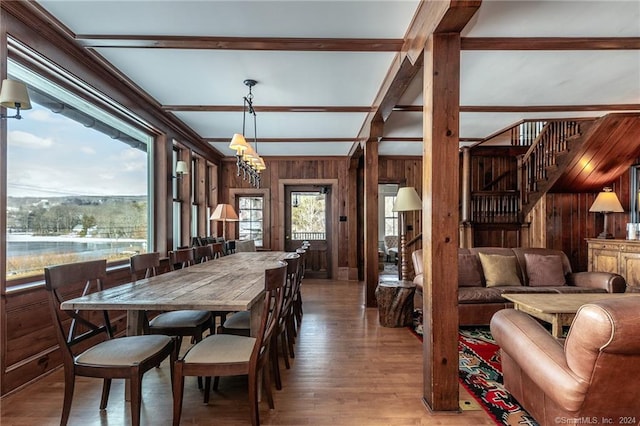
(407, 200)
(224, 213)
(606, 202)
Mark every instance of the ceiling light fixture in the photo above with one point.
(247, 159)
(14, 95)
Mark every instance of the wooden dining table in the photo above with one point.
(230, 283)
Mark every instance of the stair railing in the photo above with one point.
(551, 140)
(495, 206)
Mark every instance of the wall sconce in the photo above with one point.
(14, 95)
(606, 202)
(407, 200)
(181, 169)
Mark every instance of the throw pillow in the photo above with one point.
(499, 270)
(469, 271)
(544, 270)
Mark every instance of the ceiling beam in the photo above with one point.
(287, 140)
(530, 108)
(241, 43)
(550, 43)
(267, 108)
(430, 17)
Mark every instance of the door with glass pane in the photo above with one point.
(307, 219)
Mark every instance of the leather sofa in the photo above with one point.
(591, 378)
(478, 301)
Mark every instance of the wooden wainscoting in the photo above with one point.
(29, 345)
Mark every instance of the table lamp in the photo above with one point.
(606, 202)
(407, 200)
(224, 213)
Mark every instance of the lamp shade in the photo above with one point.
(239, 143)
(225, 213)
(14, 92)
(181, 168)
(607, 202)
(407, 200)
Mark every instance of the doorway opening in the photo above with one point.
(307, 218)
(388, 229)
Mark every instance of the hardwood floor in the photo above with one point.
(348, 371)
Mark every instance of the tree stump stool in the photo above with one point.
(395, 302)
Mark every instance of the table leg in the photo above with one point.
(556, 327)
(134, 323)
(134, 328)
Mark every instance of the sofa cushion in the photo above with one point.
(499, 270)
(544, 270)
(479, 295)
(565, 289)
(469, 271)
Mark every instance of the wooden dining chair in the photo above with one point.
(172, 323)
(287, 316)
(240, 322)
(181, 258)
(231, 355)
(107, 358)
(297, 304)
(203, 253)
(218, 250)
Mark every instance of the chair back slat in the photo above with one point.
(274, 282)
(303, 261)
(293, 272)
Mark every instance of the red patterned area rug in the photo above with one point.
(481, 374)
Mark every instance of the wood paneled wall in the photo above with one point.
(328, 171)
(30, 345)
(569, 222)
(494, 169)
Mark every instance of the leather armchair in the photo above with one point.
(593, 375)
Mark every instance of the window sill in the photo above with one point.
(38, 282)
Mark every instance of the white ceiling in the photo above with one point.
(203, 77)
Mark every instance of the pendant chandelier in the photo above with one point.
(249, 163)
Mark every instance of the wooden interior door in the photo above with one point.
(307, 218)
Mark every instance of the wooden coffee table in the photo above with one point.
(557, 309)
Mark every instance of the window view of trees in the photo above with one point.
(308, 215)
(390, 217)
(74, 192)
(251, 222)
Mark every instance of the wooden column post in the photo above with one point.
(352, 218)
(466, 234)
(440, 220)
(371, 213)
(162, 208)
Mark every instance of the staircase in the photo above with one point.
(578, 155)
(542, 150)
(547, 158)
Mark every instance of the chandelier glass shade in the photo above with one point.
(248, 162)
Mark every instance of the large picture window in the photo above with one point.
(77, 182)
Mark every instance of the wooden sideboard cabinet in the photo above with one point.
(617, 256)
